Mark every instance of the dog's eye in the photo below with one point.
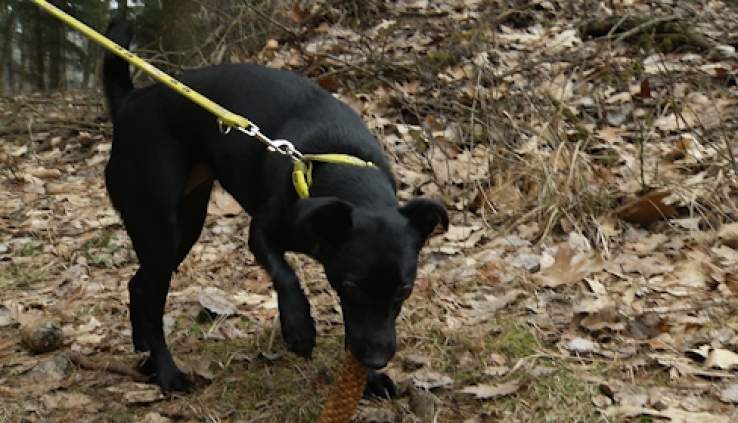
(352, 290)
(403, 292)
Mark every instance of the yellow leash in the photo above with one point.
(302, 176)
(301, 173)
(225, 116)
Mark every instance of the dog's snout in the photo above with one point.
(374, 355)
(375, 362)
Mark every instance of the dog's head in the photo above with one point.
(370, 258)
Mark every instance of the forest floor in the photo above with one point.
(585, 151)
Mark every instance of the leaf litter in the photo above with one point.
(588, 274)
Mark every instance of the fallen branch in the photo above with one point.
(54, 124)
(668, 29)
(112, 367)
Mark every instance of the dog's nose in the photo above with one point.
(375, 361)
(374, 356)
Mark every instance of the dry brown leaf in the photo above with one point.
(201, 365)
(154, 417)
(569, 268)
(647, 209)
(137, 393)
(581, 346)
(647, 326)
(728, 234)
(608, 226)
(673, 414)
(66, 400)
(688, 273)
(423, 404)
(428, 379)
(222, 204)
(730, 394)
(720, 358)
(491, 391)
(217, 301)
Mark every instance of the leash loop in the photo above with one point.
(223, 128)
(302, 171)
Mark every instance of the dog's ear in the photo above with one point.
(326, 217)
(424, 215)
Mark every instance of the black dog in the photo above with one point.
(167, 151)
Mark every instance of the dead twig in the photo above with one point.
(112, 367)
(274, 22)
(621, 28)
(53, 124)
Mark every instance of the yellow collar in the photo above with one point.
(302, 171)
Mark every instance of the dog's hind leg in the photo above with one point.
(192, 212)
(163, 225)
(191, 217)
(156, 242)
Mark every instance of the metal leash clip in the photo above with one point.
(281, 146)
(285, 148)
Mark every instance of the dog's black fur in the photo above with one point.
(167, 151)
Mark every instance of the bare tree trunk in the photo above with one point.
(177, 33)
(122, 8)
(6, 51)
(37, 69)
(55, 36)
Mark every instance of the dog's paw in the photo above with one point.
(147, 366)
(172, 380)
(175, 382)
(299, 335)
(298, 328)
(379, 385)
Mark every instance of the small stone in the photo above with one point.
(41, 336)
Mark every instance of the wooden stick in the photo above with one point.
(112, 367)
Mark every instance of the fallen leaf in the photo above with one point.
(66, 400)
(569, 268)
(646, 326)
(647, 209)
(730, 394)
(222, 204)
(137, 393)
(423, 404)
(720, 358)
(601, 401)
(154, 417)
(581, 346)
(673, 414)
(217, 301)
(728, 234)
(491, 391)
(201, 365)
(429, 379)
(526, 261)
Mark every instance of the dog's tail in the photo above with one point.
(117, 82)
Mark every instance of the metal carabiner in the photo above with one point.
(281, 146)
(285, 148)
(252, 130)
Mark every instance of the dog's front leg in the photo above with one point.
(298, 328)
(380, 385)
